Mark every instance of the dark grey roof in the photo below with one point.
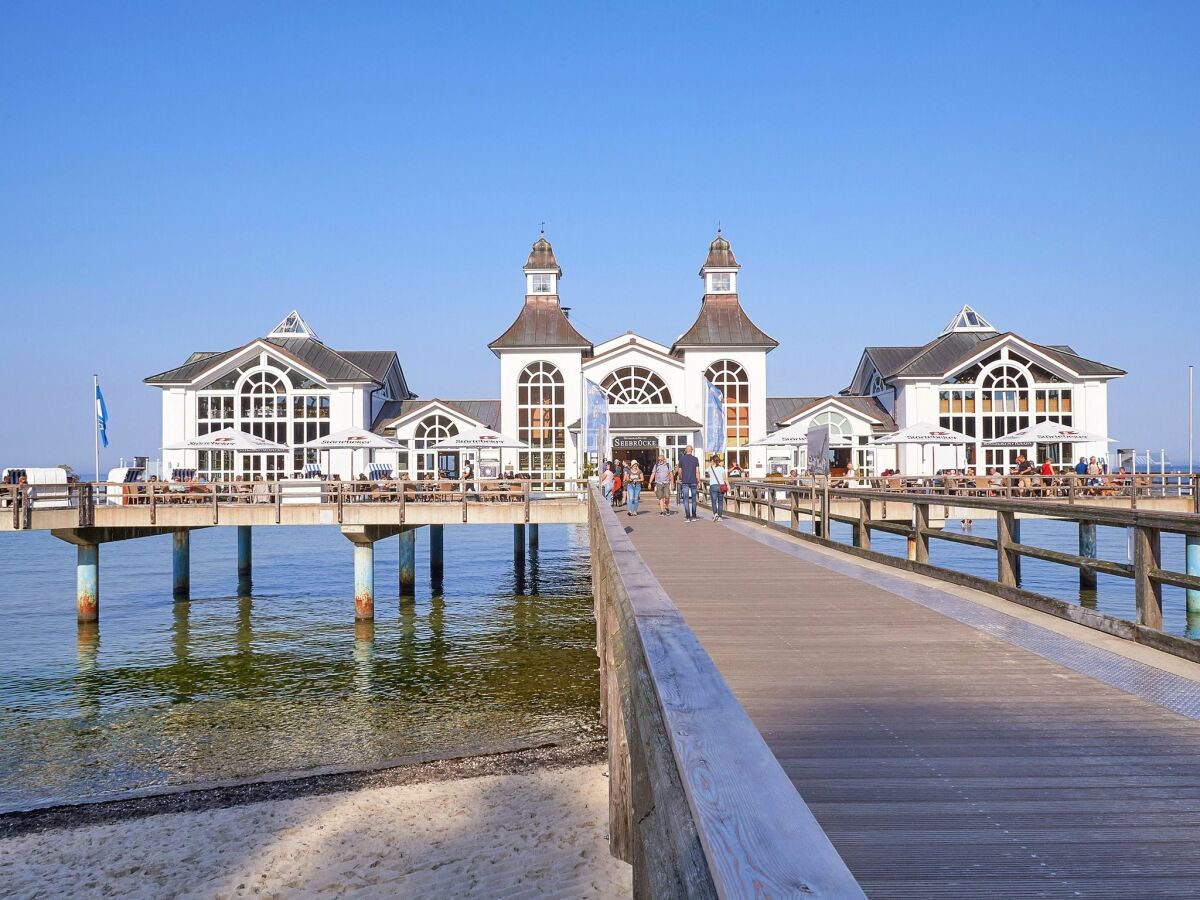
(946, 352)
(195, 364)
(540, 323)
(331, 365)
(779, 409)
(485, 411)
(650, 421)
(939, 355)
(723, 323)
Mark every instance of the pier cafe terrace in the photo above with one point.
(290, 388)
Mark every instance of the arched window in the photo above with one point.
(731, 381)
(265, 406)
(431, 431)
(1004, 407)
(541, 423)
(840, 429)
(636, 385)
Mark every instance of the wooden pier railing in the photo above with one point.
(814, 499)
(698, 803)
(146, 500)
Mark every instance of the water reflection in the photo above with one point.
(228, 686)
(87, 654)
(1193, 626)
(364, 655)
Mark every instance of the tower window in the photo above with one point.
(541, 284)
(720, 282)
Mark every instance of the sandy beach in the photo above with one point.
(540, 833)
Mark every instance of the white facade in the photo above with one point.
(286, 387)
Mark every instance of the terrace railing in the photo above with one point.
(21, 501)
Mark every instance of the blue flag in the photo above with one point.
(714, 419)
(101, 417)
(595, 417)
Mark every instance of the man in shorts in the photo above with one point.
(661, 479)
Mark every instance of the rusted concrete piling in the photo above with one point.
(364, 580)
(181, 564)
(87, 582)
(408, 563)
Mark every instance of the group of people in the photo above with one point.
(623, 481)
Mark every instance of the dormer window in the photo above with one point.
(541, 284)
(720, 283)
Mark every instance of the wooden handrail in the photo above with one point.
(697, 801)
(1146, 527)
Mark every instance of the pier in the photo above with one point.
(910, 735)
(89, 515)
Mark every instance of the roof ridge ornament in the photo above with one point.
(293, 326)
(967, 320)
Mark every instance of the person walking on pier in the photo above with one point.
(634, 486)
(606, 482)
(718, 485)
(661, 479)
(689, 471)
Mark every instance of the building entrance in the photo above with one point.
(644, 449)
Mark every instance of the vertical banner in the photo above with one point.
(595, 419)
(818, 450)
(714, 419)
(101, 417)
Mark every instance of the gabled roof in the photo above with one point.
(723, 323)
(485, 412)
(782, 409)
(540, 323)
(330, 365)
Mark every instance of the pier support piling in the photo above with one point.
(437, 535)
(1087, 548)
(519, 543)
(408, 563)
(1193, 568)
(245, 546)
(87, 582)
(533, 539)
(364, 580)
(181, 564)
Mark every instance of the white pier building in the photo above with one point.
(289, 387)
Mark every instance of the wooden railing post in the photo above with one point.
(216, 489)
(862, 533)
(153, 502)
(921, 531)
(794, 493)
(341, 499)
(526, 487)
(1008, 561)
(279, 501)
(1147, 555)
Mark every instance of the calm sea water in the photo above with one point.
(165, 693)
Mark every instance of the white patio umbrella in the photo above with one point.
(1047, 433)
(792, 436)
(925, 434)
(231, 438)
(477, 438)
(480, 439)
(352, 439)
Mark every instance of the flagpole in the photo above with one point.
(96, 421)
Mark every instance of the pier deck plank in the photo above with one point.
(941, 760)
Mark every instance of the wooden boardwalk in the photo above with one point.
(942, 759)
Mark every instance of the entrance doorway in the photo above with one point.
(644, 449)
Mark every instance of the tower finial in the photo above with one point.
(718, 226)
(543, 228)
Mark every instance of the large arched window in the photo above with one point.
(731, 381)
(264, 397)
(541, 423)
(840, 429)
(636, 385)
(431, 431)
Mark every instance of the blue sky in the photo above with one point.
(178, 176)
